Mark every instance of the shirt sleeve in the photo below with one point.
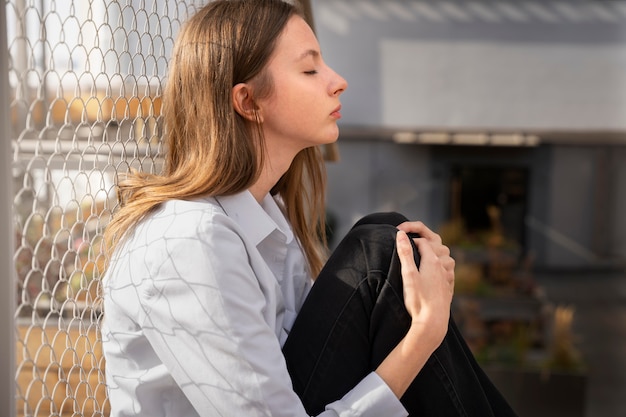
(204, 315)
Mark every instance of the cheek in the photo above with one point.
(295, 106)
(280, 102)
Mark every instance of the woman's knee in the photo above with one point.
(372, 237)
(391, 218)
(366, 247)
(367, 252)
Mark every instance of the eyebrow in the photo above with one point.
(309, 53)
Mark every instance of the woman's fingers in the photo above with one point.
(421, 229)
(433, 239)
(410, 274)
(440, 267)
(432, 285)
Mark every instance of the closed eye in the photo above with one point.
(312, 72)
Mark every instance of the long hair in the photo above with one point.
(211, 149)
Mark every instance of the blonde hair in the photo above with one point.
(211, 149)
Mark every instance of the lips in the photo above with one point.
(337, 112)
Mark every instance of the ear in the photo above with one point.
(243, 102)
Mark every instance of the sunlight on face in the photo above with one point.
(304, 106)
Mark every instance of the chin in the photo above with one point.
(333, 137)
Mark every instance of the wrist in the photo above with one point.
(428, 330)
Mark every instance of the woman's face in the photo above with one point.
(304, 106)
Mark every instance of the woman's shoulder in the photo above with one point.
(186, 217)
(199, 207)
(179, 230)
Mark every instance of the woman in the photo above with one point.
(212, 261)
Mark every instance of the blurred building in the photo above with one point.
(455, 107)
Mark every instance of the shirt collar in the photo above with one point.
(258, 221)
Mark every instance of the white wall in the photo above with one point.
(503, 85)
(480, 64)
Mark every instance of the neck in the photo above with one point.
(259, 190)
(270, 174)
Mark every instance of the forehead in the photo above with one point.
(297, 41)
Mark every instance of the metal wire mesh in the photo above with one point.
(86, 79)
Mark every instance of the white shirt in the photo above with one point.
(198, 302)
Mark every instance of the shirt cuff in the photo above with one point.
(372, 397)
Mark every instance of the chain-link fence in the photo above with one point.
(85, 79)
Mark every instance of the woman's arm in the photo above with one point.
(427, 296)
(209, 319)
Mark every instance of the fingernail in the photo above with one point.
(401, 235)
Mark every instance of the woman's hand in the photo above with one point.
(428, 290)
(435, 241)
(427, 297)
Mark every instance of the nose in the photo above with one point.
(339, 84)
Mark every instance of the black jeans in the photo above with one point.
(355, 315)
